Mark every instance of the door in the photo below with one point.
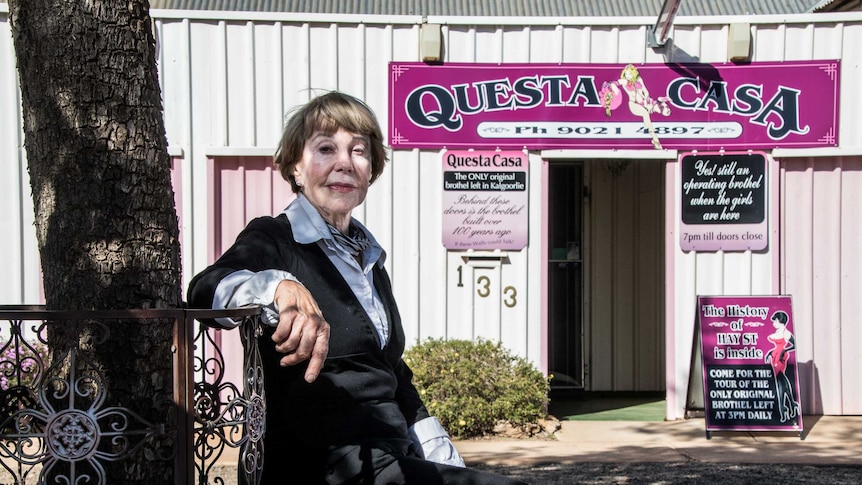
(566, 275)
(624, 280)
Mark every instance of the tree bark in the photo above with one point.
(100, 178)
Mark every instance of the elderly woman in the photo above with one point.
(341, 407)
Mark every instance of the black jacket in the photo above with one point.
(364, 393)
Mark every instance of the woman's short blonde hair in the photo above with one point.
(327, 113)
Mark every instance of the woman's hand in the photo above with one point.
(302, 333)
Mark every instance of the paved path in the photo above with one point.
(828, 440)
(599, 452)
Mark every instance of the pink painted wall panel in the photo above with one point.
(796, 222)
(230, 203)
(826, 286)
(243, 188)
(820, 267)
(851, 283)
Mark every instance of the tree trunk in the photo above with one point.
(100, 178)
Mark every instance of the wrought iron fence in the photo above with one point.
(55, 416)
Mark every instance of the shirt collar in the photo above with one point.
(309, 227)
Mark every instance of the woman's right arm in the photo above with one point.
(244, 288)
(252, 272)
(230, 282)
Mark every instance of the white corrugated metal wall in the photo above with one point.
(228, 78)
(21, 276)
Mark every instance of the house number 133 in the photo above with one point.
(483, 289)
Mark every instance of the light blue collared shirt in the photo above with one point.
(245, 287)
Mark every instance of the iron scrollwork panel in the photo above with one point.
(224, 416)
(54, 417)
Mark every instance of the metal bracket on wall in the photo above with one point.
(492, 259)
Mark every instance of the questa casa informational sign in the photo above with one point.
(485, 199)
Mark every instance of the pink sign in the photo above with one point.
(761, 105)
(485, 199)
(750, 376)
(723, 197)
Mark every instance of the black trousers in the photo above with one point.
(369, 464)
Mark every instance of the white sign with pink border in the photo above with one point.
(485, 199)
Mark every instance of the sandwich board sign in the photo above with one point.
(750, 374)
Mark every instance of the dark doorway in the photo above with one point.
(566, 275)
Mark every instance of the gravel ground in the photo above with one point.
(687, 472)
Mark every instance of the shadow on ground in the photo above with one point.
(671, 473)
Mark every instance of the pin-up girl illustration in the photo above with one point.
(640, 102)
(783, 343)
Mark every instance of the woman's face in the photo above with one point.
(334, 172)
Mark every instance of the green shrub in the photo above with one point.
(470, 386)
